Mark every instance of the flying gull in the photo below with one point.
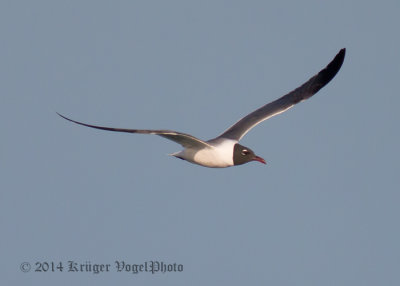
(224, 150)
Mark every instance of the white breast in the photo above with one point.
(219, 156)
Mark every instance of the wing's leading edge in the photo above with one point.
(305, 91)
(183, 139)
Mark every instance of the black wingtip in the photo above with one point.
(337, 62)
(335, 65)
(66, 118)
(328, 73)
(77, 122)
(62, 116)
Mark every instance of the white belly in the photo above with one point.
(219, 156)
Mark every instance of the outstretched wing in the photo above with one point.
(308, 89)
(186, 140)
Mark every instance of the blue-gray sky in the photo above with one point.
(323, 211)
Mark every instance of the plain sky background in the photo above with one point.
(323, 211)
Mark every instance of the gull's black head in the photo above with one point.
(242, 155)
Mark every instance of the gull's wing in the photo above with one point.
(183, 139)
(308, 89)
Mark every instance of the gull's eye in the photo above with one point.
(245, 152)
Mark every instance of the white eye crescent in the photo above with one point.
(245, 152)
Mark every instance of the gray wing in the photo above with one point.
(183, 139)
(308, 89)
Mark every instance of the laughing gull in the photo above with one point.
(224, 150)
